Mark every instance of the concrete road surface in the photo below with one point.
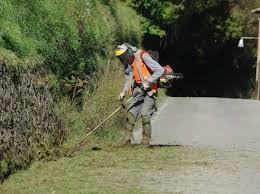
(212, 122)
(225, 133)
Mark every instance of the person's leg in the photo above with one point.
(147, 111)
(134, 108)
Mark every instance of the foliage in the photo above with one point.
(29, 127)
(99, 102)
(70, 38)
(158, 15)
(128, 23)
(200, 39)
(67, 45)
(235, 25)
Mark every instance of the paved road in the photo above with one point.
(226, 131)
(212, 122)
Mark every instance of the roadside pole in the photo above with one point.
(257, 11)
(258, 63)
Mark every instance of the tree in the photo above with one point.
(199, 38)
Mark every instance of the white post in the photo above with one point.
(258, 63)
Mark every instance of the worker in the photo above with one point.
(142, 72)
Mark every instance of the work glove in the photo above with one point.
(163, 80)
(146, 85)
(121, 96)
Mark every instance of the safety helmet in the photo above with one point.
(121, 49)
(125, 53)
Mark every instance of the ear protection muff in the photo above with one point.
(130, 52)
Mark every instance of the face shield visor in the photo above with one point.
(125, 53)
(126, 58)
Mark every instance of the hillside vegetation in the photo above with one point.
(57, 73)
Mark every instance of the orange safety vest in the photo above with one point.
(144, 71)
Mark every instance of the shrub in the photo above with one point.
(29, 128)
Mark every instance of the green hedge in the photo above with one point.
(29, 127)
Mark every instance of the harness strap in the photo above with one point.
(138, 57)
(131, 83)
(138, 60)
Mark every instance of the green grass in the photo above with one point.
(109, 170)
(72, 48)
(98, 104)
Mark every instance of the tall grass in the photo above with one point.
(73, 41)
(99, 102)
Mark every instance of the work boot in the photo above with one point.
(124, 140)
(147, 129)
(130, 122)
(129, 129)
(145, 140)
(127, 137)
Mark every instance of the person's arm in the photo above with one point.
(154, 66)
(128, 79)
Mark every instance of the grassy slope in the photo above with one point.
(74, 44)
(110, 170)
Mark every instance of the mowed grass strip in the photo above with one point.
(109, 170)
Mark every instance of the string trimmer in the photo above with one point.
(81, 143)
(165, 81)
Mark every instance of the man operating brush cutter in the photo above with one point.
(142, 73)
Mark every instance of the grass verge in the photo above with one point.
(128, 169)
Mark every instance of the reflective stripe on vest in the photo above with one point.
(141, 71)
